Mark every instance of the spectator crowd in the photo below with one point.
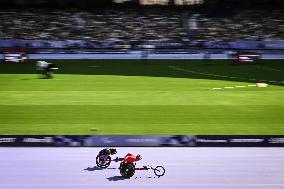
(128, 24)
(250, 25)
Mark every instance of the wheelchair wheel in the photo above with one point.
(127, 170)
(159, 171)
(101, 163)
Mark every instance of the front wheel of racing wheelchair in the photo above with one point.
(101, 162)
(159, 171)
(127, 170)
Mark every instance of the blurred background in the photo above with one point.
(140, 23)
(92, 43)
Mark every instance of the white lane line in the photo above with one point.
(195, 72)
(201, 73)
(215, 75)
(270, 69)
(240, 86)
(164, 184)
(232, 87)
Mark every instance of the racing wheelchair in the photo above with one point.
(103, 159)
(103, 162)
(127, 170)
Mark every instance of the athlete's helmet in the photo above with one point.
(112, 151)
(138, 157)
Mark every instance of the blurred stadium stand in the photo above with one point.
(96, 25)
(131, 25)
(49, 25)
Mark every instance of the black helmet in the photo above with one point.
(138, 157)
(112, 151)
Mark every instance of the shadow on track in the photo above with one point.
(117, 178)
(147, 177)
(95, 168)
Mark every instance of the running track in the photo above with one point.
(187, 168)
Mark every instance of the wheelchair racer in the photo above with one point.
(129, 158)
(105, 153)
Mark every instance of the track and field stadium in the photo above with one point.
(127, 97)
(142, 93)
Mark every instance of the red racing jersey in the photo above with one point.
(130, 158)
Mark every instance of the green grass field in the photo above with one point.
(127, 97)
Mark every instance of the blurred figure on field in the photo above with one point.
(45, 69)
(41, 68)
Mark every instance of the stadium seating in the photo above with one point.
(126, 25)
